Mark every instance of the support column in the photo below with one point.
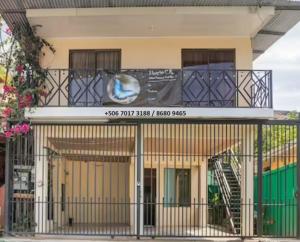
(41, 181)
(246, 135)
(203, 198)
(139, 183)
(259, 181)
(132, 192)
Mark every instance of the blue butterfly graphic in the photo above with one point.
(120, 93)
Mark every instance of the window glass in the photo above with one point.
(108, 60)
(195, 59)
(209, 77)
(221, 59)
(82, 60)
(177, 187)
(208, 59)
(86, 83)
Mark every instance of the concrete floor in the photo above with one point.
(125, 239)
(93, 235)
(183, 231)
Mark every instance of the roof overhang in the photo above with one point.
(286, 13)
(150, 21)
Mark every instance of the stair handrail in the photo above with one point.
(223, 181)
(235, 165)
(225, 189)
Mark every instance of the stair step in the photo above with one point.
(235, 199)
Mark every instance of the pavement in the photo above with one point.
(128, 239)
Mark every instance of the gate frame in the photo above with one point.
(298, 178)
(139, 189)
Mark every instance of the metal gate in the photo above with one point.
(156, 179)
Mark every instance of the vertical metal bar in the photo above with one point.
(260, 181)
(237, 88)
(271, 90)
(59, 86)
(138, 178)
(8, 188)
(298, 179)
(209, 87)
(182, 86)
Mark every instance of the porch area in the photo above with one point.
(150, 179)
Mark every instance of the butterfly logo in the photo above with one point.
(120, 92)
(123, 89)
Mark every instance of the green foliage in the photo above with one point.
(276, 136)
(21, 62)
(294, 115)
(31, 46)
(216, 199)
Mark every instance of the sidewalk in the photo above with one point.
(126, 239)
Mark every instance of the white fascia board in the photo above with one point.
(103, 113)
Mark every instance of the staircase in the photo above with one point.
(227, 172)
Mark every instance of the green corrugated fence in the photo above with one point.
(279, 201)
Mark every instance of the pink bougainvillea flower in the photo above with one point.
(25, 101)
(8, 89)
(8, 134)
(16, 130)
(21, 79)
(21, 103)
(28, 100)
(25, 128)
(7, 112)
(20, 69)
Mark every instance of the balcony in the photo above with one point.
(156, 88)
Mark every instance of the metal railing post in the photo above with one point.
(8, 187)
(271, 90)
(138, 185)
(259, 180)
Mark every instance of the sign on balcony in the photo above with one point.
(128, 88)
(123, 89)
(158, 88)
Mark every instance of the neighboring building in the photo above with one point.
(148, 105)
(284, 115)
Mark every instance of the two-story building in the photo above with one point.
(152, 120)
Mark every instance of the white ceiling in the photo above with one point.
(143, 22)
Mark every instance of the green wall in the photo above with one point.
(279, 201)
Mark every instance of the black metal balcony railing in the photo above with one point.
(160, 87)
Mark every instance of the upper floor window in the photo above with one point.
(209, 77)
(95, 59)
(86, 83)
(203, 59)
